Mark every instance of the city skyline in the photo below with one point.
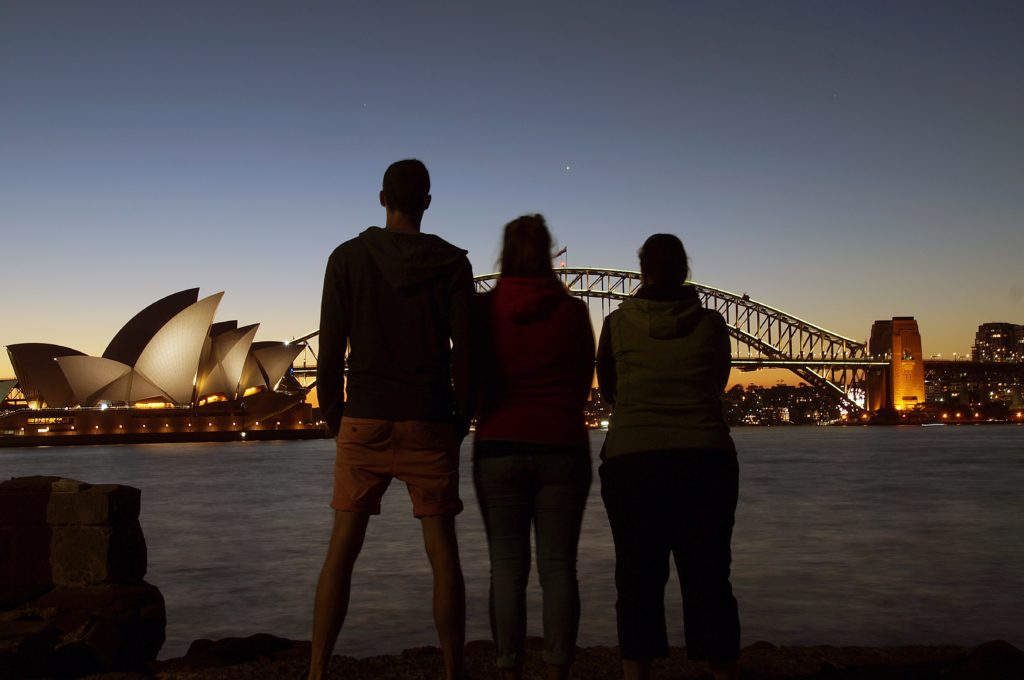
(841, 163)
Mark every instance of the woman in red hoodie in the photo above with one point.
(531, 459)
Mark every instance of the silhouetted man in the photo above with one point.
(400, 300)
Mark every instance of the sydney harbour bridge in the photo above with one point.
(762, 336)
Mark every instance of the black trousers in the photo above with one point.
(679, 503)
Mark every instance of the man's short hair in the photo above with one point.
(406, 186)
(663, 260)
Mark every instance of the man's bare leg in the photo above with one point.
(449, 590)
(334, 586)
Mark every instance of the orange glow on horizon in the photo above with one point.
(763, 377)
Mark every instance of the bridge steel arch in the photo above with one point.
(772, 338)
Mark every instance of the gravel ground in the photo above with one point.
(264, 656)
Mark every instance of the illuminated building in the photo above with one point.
(999, 342)
(900, 385)
(973, 383)
(170, 369)
(991, 383)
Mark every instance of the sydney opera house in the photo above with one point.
(171, 373)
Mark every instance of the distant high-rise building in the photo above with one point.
(999, 341)
(899, 386)
(970, 383)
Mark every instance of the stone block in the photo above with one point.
(72, 555)
(72, 559)
(84, 555)
(41, 484)
(25, 556)
(34, 501)
(101, 504)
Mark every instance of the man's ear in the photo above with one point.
(426, 201)
(383, 201)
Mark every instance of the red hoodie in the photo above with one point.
(536, 362)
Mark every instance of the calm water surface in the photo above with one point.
(843, 536)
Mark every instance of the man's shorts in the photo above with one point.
(422, 454)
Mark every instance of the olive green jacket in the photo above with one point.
(663, 364)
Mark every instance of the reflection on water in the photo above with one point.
(843, 536)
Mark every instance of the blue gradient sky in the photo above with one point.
(840, 161)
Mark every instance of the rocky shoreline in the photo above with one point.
(73, 601)
(266, 656)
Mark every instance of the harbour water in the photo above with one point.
(866, 536)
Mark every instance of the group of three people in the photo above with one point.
(425, 356)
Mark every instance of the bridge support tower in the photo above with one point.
(900, 385)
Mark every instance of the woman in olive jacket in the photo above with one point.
(669, 477)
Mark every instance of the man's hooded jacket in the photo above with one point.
(401, 303)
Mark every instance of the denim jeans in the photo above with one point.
(678, 503)
(518, 484)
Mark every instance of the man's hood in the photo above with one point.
(527, 299)
(410, 259)
(672, 315)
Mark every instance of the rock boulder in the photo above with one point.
(72, 596)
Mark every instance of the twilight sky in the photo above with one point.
(841, 161)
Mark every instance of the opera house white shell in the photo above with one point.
(224, 355)
(5, 388)
(38, 373)
(171, 353)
